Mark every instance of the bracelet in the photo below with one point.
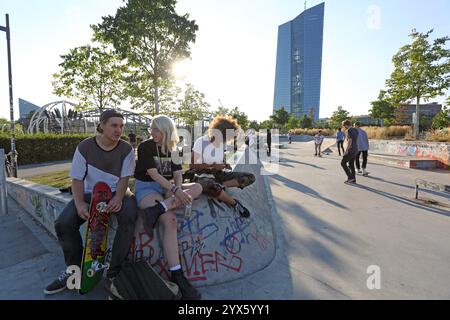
(174, 189)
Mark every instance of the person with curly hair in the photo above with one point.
(211, 169)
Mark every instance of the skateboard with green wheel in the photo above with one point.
(95, 251)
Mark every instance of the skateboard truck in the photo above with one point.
(96, 267)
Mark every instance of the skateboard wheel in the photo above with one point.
(90, 273)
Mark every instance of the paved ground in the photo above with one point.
(328, 235)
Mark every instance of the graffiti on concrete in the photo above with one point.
(206, 246)
(427, 150)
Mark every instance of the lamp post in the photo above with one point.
(11, 105)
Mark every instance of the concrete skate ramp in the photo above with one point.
(216, 244)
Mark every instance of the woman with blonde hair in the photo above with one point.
(157, 196)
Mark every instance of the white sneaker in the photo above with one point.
(360, 171)
(365, 173)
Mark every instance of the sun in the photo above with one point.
(181, 69)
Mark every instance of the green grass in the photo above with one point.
(62, 179)
(55, 179)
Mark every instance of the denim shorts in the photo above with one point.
(144, 188)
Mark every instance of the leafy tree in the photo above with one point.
(138, 89)
(254, 125)
(281, 117)
(151, 36)
(266, 124)
(338, 116)
(306, 122)
(240, 116)
(293, 123)
(441, 120)
(193, 107)
(422, 70)
(383, 108)
(92, 75)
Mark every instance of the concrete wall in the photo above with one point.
(427, 150)
(216, 245)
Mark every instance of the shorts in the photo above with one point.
(144, 188)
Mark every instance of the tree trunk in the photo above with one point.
(156, 100)
(416, 125)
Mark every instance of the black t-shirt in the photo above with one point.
(353, 134)
(148, 159)
(132, 137)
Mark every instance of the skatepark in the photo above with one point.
(310, 236)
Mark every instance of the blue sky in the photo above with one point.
(233, 58)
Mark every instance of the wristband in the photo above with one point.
(174, 188)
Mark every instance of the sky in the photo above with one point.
(233, 58)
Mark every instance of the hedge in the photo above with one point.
(41, 148)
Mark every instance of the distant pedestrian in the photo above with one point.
(269, 143)
(318, 140)
(132, 138)
(348, 161)
(290, 136)
(363, 148)
(340, 137)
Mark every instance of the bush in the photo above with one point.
(441, 135)
(40, 148)
(313, 132)
(392, 132)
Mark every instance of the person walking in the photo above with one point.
(363, 149)
(348, 160)
(340, 137)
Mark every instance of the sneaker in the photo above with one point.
(58, 285)
(365, 173)
(188, 292)
(150, 216)
(360, 171)
(243, 211)
(350, 181)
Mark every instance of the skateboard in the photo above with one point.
(95, 251)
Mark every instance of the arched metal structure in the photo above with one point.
(64, 117)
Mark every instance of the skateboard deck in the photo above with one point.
(95, 249)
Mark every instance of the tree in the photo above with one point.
(422, 71)
(151, 36)
(193, 107)
(281, 117)
(254, 125)
(240, 116)
(441, 120)
(92, 75)
(306, 122)
(338, 116)
(383, 108)
(139, 91)
(266, 124)
(293, 123)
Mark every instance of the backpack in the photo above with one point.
(139, 281)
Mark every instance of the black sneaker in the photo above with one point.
(188, 292)
(243, 211)
(58, 285)
(150, 216)
(350, 181)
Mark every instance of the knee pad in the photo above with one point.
(211, 188)
(246, 180)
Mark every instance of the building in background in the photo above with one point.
(26, 108)
(299, 64)
(404, 113)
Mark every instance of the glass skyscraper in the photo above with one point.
(299, 64)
